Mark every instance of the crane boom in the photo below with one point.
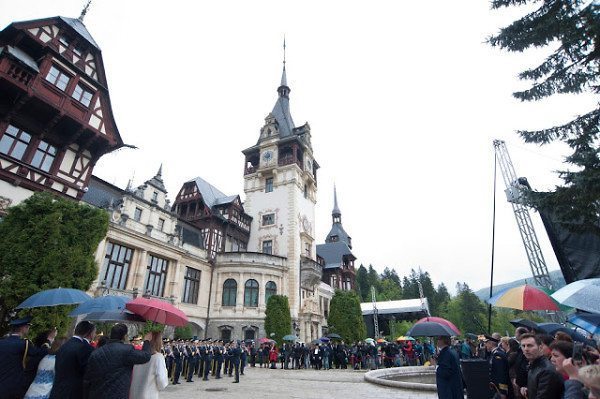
(513, 195)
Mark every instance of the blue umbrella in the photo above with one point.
(101, 304)
(581, 294)
(590, 322)
(324, 339)
(55, 297)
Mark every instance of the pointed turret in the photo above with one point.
(337, 232)
(157, 180)
(336, 214)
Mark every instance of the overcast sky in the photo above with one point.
(403, 98)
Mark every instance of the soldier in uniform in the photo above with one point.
(20, 359)
(208, 359)
(177, 361)
(498, 362)
(202, 353)
(235, 360)
(192, 359)
(218, 359)
(168, 352)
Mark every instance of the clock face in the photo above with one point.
(267, 156)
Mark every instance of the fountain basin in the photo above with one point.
(419, 378)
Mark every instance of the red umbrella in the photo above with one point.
(523, 297)
(157, 311)
(265, 340)
(440, 320)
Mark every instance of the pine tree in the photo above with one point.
(362, 283)
(572, 29)
(47, 242)
(345, 317)
(278, 320)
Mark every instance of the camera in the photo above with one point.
(577, 352)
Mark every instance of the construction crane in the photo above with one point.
(514, 190)
(375, 314)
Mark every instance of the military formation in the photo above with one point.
(204, 359)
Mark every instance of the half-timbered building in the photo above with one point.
(56, 119)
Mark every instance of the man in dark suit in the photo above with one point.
(235, 357)
(71, 361)
(448, 376)
(18, 356)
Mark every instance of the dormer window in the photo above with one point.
(82, 94)
(155, 196)
(335, 238)
(58, 78)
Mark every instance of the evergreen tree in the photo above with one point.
(47, 242)
(362, 283)
(373, 280)
(278, 320)
(467, 311)
(572, 29)
(390, 274)
(390, 291)
(442, 298)
(345, 317)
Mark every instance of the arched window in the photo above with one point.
(270, 289)
(251, 293)
(229, 292)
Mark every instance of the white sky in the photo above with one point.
(403, 98)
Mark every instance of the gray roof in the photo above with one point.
(157, 181)
(226, 200)
(281, 110)
(21, 56)
(210, 194)
(333, 253)
(338, 230)
(81, 29)
(102, 194)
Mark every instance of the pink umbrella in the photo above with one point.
(265, 341)
(440, 320)
(157, 311)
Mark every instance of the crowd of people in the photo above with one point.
(528, 365)
(83, 366)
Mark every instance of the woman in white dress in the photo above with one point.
(150, 378)
(42, 384)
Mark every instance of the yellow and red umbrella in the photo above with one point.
(524, 297)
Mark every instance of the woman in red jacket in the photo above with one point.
(273, 356)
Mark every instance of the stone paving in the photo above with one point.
(282, 384)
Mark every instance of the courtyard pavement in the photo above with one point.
(283, 384)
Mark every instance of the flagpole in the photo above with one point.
(493, 244)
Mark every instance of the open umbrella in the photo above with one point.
(441, 321)
(523, 297)
(316, 342)
(55, 297)
(290, 337)
(334, 336)
(101, 304)
(405, 338)
(552, 328)
(114, 316)
(381, 341)
(430, 329)
(369, 340)
(158, 311)
(590, 322)
(265, 340)
(530, 325)
(471, 336)
(581, 294)
(324, 339)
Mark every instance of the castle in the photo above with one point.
(217, 257)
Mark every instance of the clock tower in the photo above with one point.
(280, 183)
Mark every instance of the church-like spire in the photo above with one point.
(336, 214)
(283, 89)
(159, 173)
(157, 180)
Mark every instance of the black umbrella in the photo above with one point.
(530, 325)
(112, 316)
(334, 335)
(552, 328)
(472, 336)
(430, 329)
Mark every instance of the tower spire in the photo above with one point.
(84, 11)
(336, 213)
(159, 173)
(283, 89)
